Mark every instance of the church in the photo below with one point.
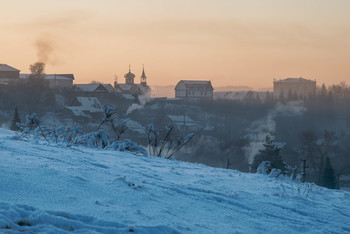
(129, 87)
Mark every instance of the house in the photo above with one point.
(194, 89)
(94, 88)
(55, 81)
(129, 87)
(135, 127)
(85, 107)
(8, 74)
(182, 122)
(298, 86)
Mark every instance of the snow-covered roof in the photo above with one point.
(132, 88)
(5, 67)
(51, 76)
(125, 87)
(194, 85)
(109, 87)
(182, 120)
(128, 96)
(87, 104)
(135, 126)
(90, 87)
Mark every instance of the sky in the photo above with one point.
(247, 42)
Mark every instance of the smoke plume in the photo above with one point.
(45, 47)
(259, 129)
(142, 100)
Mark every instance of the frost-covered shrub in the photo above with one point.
(65, 135)
(33, 130)
(127, 146)
(97, 139)
(109, 116)
(264, 168)
(267, 168)
(30, 129)
(294, 189)
(31, 123)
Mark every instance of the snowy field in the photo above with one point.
(53, 189)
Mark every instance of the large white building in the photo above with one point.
(298, 86)
(194, 89)
(55, 81)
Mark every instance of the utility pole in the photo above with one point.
(228, 163)
(304, 170)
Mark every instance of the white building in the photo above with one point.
(298, 86)
(194, 89)
(55, 81)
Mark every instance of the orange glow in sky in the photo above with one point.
(229, 42)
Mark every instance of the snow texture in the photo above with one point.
(54, 189)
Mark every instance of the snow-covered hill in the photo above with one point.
(56, 189)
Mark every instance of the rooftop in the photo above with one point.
(195, 84)
(5, 67)
(89, 87)
(293, 80)
(51, 76)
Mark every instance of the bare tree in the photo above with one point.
(166, 144)
(37, 70)
(37, 77)
(109, 117)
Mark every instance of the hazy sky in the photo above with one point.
(229, 42)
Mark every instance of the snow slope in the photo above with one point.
(53, 189)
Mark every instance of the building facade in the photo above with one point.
(11, 75)
(194, 89)
(299, 86)
(55, 81)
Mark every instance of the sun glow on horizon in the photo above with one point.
(228, 42)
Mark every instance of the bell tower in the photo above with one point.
(129, 77)
(143, 77)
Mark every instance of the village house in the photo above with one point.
(8, 74)
(93, 88)
(129, 87)
(182, 122)
(194, 89)
(88, 107)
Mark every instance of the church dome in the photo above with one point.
(129, 75)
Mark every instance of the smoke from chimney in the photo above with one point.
(45, 50)
(267, 126)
